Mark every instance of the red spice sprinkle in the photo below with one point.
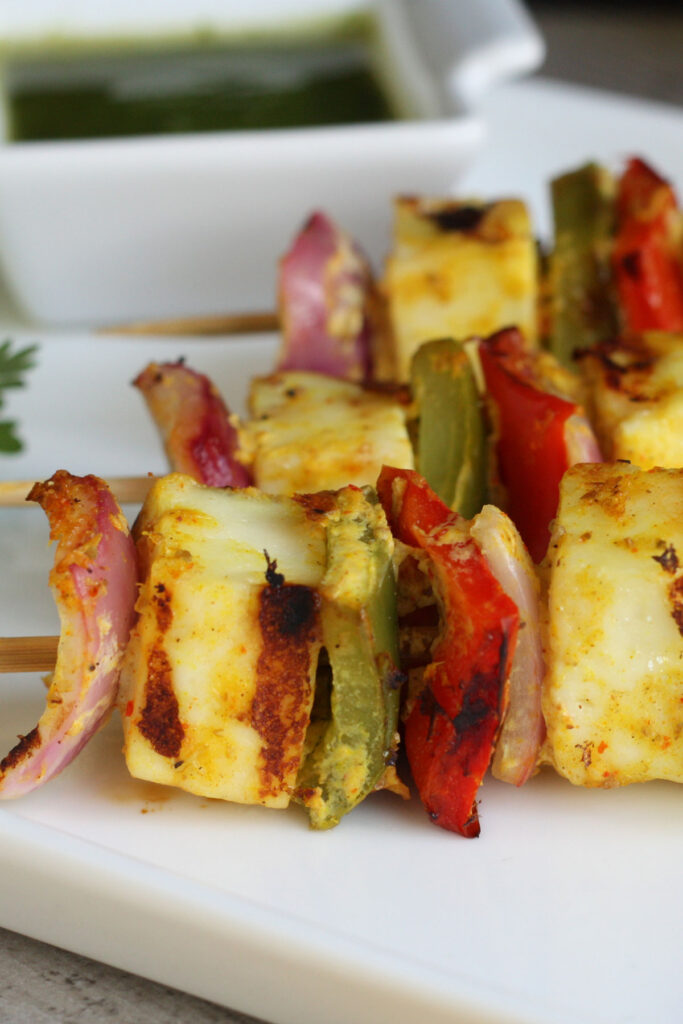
(129, 708)
(602, 747)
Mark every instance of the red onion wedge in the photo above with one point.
(329, 307)
(196, 427)
(94, 584)
(580, 441)
(523, 728)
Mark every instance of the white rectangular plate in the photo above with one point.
(568, 907)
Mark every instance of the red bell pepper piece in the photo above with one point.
(647, 266)
(531, 445)
(452, 724)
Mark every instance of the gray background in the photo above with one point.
(598, 44)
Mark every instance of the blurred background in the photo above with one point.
(627, 46)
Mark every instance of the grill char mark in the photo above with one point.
(20, 750)
(290, 628)
(160, 719)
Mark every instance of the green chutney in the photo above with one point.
(185, 90)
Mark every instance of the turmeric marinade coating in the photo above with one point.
(613, 695)
(636, 398)
(459, 269)
(195, 680)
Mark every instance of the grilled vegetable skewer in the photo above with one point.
(476, 693)
(616, 516)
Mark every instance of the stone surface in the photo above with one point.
(43, 985)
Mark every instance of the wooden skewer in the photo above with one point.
(132, 489)
(28, 653)
(235, 323)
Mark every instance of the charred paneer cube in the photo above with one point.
(613, 694)
(459, 269)
(219, 676)
(236, 645)
(311, 432)
(636, 398)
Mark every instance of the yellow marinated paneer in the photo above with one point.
(309, 433)
(219, 675)
(613, 695)
(458, 270)
(636, 399)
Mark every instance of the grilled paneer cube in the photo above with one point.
(457, 270)
(636, 398)
(310, 432)
(242, 595)
(613, 695)
(219, 676)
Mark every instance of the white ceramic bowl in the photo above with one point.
(113, 230)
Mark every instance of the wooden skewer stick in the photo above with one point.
(131, 489)
(28, 653)
(235, 323)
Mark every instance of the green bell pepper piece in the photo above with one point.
(581, 309)
(354, 739)
(451, 449)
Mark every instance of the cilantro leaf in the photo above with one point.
(13, 366)
(9, 442)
